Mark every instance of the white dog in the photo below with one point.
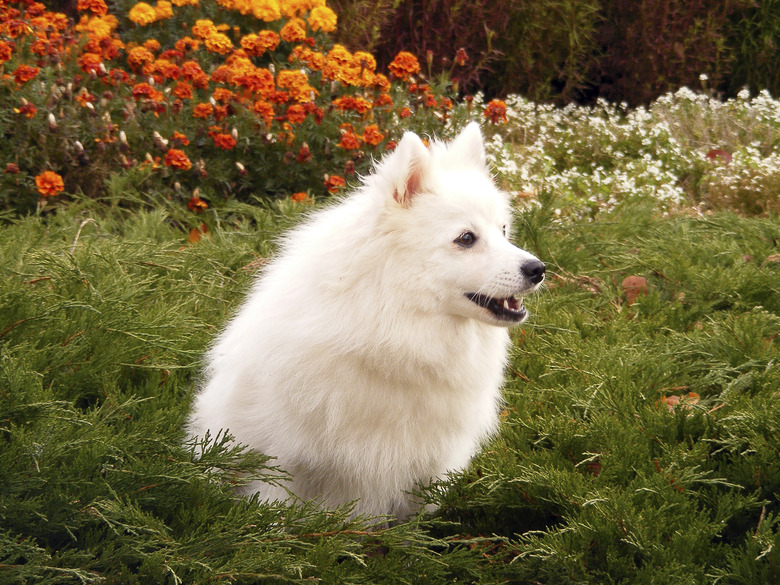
(368, 357)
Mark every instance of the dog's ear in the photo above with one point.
(410, 164)
(468, 147)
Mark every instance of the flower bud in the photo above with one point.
(52, 122)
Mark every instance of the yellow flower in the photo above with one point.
(97, 27)
(163, 10)
(267, 10)
(294, 31)
(292, 8)
(142, 14)
(203, 29)
(219, 43)
(296, 83)
(322, 18)
(185, 2)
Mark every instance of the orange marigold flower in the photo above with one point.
(202, 111)
(405, 113)
(267, 10)
(6, 51)
(224, 141)
(304, 154)
(381, 82)
(25, 73)
(49, 183)
(495, 111)
(300, 197)
(187, 44)
(333, 183)
(197, 204)
(297, 83)
(183, 91)
(84, 97)
(35, 9)
(204, 29)
(28, 110)
(259, 81)
(95, 6)
(180, 138)
(137, 57)
(90, 62)
(218, 43)
(294, 31)
(162, 69)
(348, 102)
(177, 159)
(364, 60)
(264, 110)
(292, 8)
(322, 18)
(163, 10)
(296, 114)
(372, 136)
(220, 112)
(152, 45)
(404, 65)
(383, 100)
(142, 14)
(313, 59)
(222, 94)
(144, 90)
(185, 2)
(349, 141)
(257, 44)
(190, 70)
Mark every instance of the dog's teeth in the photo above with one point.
(506, 304)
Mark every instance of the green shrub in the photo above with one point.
(547, 50)
(653, 46)
(754, 39)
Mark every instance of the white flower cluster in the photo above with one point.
(685, 148)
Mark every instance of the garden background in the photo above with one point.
(153, 152)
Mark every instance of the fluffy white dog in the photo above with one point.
(369, 355)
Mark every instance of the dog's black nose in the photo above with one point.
(533, 270)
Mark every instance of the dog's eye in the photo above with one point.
(504, 228)
(466, 239)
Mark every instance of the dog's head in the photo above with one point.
(444, 210)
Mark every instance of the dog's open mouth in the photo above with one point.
(506, 309)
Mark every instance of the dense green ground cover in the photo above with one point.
(639, 442)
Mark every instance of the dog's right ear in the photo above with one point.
(408, 170)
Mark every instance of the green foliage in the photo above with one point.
(547, 50)
(754, 39)
(595, 477)
(652, 46)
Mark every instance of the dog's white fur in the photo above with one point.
(357, 361)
